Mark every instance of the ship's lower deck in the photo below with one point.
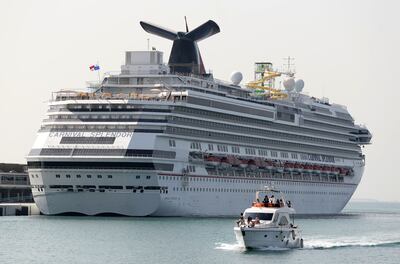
(144, 193)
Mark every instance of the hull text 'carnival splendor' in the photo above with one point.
(171, 140)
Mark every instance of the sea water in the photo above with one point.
(363, 233)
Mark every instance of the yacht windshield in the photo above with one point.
(261, 216)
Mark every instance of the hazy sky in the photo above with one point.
(348, 51)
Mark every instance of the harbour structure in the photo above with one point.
(171, 140)
(14, 183)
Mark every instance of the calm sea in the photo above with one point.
(363, 233)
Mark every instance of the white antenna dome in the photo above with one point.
(299, 85)
(236, 77)
(289, 84)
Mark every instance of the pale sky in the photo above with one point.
(348, 51)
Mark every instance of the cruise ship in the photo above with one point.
(169, 139)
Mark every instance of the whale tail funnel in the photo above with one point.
(185, 55)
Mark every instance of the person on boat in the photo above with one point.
(250, 222)
(240, 222)
(272, 200)
(257, 220)
(289, 204)
(266, 200)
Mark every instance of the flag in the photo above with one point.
(94, 67)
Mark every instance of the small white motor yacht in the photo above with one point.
(269, 223)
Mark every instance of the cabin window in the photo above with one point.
(261, 216)
(283, 221)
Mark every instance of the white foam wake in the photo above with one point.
(238, 247)
(230, 247)
(348, 242)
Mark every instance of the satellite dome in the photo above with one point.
(236, 77)
(299, 85)
(289, 84)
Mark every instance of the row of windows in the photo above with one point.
(207, 189)
(222, 148)
(191, 168)
(172, 143)
(235, 149)
(253, 181)
(250, 151)
(263, 123)
(238, 128)
(87, 140)
(195, 145)
(264, 152)
(89, 176)
(259, 141)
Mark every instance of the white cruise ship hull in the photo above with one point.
(206, 196)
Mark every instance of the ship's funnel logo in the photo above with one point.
(185, 55)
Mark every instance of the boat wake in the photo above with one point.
(229, 247)
(348, 242)
(319, 244)
(237, 247)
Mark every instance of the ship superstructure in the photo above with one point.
(171, 140)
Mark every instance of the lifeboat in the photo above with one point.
(270, 164)
(343, 171)
(252, 164)
(279, 167)
(298, 167)
(233, 160)
(262, 163)
(316, 169)
(288, 166)
(308, 168)
(225, 163)
(243, 163)
(326, 169)
(259, 163)
(212, 160)
(335, 170)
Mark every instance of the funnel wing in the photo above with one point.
(203, 31)
(159, 31)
